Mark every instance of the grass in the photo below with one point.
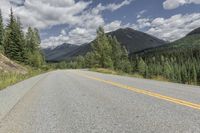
(8, 79)
(106, 71)
(135, 75)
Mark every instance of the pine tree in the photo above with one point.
(35, 55)
(21, 42)
(12, 44)
(37, 36)
(146, 75)
(116, 52)
(141, 66)
(194, 74)
(31, 40)
(125, 63)
(90, 60)
(1, 32)
(102, 49)
(167, 70)
(80, 62)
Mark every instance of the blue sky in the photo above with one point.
(75, 21)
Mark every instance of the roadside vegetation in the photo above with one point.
(178, 62)
(7, 79)
(23, 51)
(175, 64)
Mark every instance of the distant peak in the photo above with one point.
(194, 32)
(127, 29)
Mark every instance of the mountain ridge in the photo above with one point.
(130, 38)
(194, 32)
(189, 41)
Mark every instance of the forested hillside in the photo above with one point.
(178, 61)
(20, 53)
(19, 46)
(106, 53)
(131, 39)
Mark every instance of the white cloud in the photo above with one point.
(63, 32)
(141, 13)
(143, 23)
(140, 24)
(173, 4)
(111, 7)
(175, 27)
(84, 30)
(46, 13)
(60, 3)
(18, 2)
(113, 26)
(54, 41)
(76, 36)
(80, 35)
(84, 21)
(169, 29)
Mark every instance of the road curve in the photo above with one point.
(78, 101)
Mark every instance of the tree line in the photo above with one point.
(106, 53)
(20, 46)
(173, 64)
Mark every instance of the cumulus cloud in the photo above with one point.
(111, 7)
(84, 30)
(175, 27)
(80, 35)
(173, 4)
(113, 26)
(46, 13)
(141, 13)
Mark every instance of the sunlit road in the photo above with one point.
(78, 101)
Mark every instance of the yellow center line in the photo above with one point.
(145, 92)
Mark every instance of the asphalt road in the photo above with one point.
(77, 101)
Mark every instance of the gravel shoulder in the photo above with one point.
(10, 96)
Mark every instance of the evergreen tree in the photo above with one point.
(13, 42)
(1, 32)
(194, 75)
(125, 63)
(116, 52)
(167, 70)
(80, 62)
(21, 42)
(38, 39)
(102, 49)
(175, 64)
(146, 75)
(35, 55)
(32, 41)
(90, 60)
(141, 66)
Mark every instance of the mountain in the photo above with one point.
(194, 32)
(60, 52)
(190, 41)
(177, 61)
(133, 40)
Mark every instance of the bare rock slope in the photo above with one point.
(6, 65)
